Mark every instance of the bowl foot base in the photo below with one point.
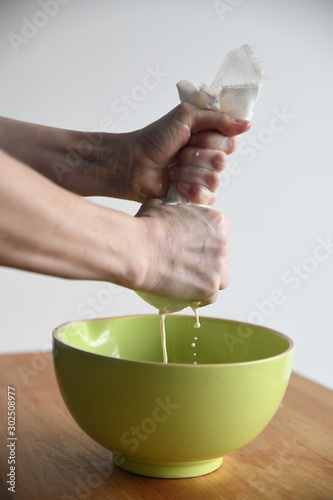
(168, 469)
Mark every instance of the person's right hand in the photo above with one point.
(187, 252)
(194, 142)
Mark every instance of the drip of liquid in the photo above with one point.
(196, 312)
(163, 336)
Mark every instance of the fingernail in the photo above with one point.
(241, 122)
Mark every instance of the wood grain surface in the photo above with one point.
(291, 459)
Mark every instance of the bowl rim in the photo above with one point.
(291, 343)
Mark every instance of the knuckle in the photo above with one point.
(210, 290)
(219, 161)
(217, 219)
(225, 280)
(230, 144)
(212, 298)
(212, 180)
(181, 118)
(183, 110)
(208, 198)
(185, 107)
(234, 141)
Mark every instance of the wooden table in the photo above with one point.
(55, 460)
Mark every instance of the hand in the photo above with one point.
(132, 165)
(175, 139)
(187, 252)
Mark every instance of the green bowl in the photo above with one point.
(177, 419)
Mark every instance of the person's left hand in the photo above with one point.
(193, 142)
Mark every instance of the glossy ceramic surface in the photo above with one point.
(178, 419)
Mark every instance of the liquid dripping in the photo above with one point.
(196, 312)
(163, 338)
(196, 325)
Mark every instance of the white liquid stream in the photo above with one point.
(163, 336)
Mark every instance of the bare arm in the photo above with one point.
(46, 229)
(71, 159)
(49, 230)
(132, 165)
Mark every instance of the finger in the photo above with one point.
(206, 178)
(198, 174)
(206, 119)
(227, 252)
(225, 279)
(196, 193)
(224, 282)
(208, 301)
(214, 140)
(210, 159)
(226, 224)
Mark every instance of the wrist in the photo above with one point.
(106, 164)
(86, 163)
(75, 162)
(122, 246)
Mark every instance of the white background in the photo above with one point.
(84, 57)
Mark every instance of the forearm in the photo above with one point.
(48, 230)
(71, 159)
(133, 165)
